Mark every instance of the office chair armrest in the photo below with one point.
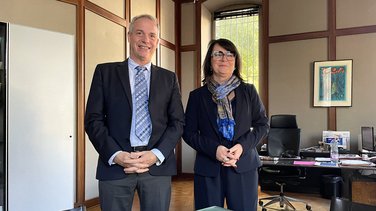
(271, 171)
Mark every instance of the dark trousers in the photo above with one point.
(154, 193)
(239, 190)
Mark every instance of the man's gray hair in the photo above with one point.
(150, 17)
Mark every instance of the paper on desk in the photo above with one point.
(322, 159)
(327, 164)
(356, 163)
(304, 163)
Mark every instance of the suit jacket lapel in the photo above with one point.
(210, 109)
(123, 73)
(153, 84)
(241, 106)
(153, 93)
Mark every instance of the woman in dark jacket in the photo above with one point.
(225, 120)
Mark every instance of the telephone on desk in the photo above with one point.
(368, 155)
(288, 154)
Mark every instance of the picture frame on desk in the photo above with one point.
(332, 84)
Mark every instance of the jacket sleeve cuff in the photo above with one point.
(159, 155)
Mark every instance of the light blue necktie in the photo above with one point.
(143, 121)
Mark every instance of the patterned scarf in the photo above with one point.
(225, 119)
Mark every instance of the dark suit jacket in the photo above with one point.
(202, 134)
(109, 114)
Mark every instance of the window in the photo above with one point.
(242, 28)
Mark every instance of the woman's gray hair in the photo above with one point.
(150, 17)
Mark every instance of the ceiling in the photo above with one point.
(215, 5)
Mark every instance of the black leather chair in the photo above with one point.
(283, 142)
(343, 204)
(284, 136)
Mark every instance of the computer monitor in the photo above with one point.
(368, 140)
(343, 138)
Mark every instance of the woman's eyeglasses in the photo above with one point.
(218, 55)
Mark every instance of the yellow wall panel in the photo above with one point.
(168, 20)
(188, 60)
(167, 58)
(115, 6)
(354, 13)
(45, 14)
(188, 24)
(139, 7)
(297, 16)
(206, 31)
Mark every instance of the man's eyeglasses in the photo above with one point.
(218, 55)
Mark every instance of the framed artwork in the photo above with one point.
(332, 84)
(1, 52)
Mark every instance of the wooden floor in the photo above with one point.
(182, 198)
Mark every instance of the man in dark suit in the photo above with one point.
(134, 119)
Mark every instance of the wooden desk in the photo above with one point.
(364, 191)
(290, 162)
(311, 183)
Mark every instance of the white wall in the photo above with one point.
(41, 120)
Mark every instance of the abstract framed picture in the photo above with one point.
(332, 84)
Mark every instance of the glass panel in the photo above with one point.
(3, 33)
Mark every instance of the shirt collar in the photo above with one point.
(132, 65)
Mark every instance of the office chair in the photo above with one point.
(284, 136)
(283, 142)
(343, 204)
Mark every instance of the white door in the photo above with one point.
(41, 120)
